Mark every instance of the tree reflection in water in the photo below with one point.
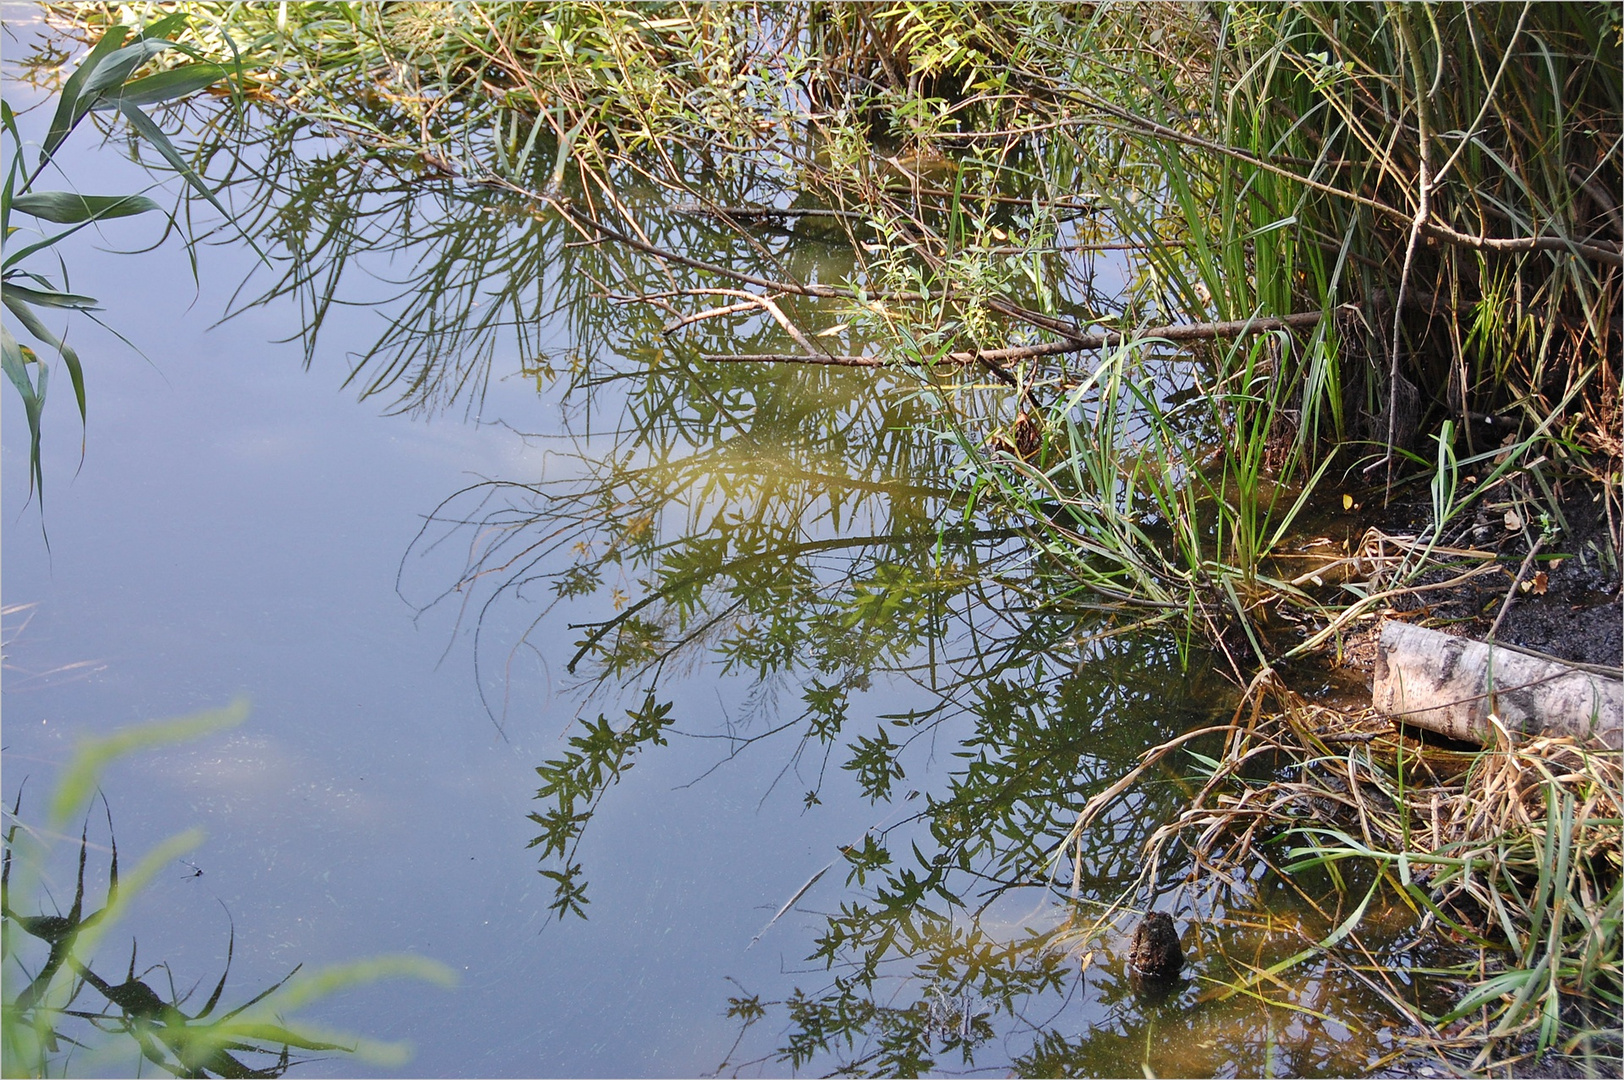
(803, 526)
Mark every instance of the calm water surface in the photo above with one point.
(242, 524)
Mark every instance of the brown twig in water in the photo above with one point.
(1175, 332)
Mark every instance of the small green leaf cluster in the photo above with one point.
(576, 783)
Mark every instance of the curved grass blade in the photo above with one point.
(68, 112)
(49, 298)
(15, 361)
(154, 134)
(76, 373)
(69, 207)
(165, 86)
(83, 772)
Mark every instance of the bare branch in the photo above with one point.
(1177, 332)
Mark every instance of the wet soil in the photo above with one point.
(1565, 603)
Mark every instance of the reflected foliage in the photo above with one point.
(809, 529)
(64, 988)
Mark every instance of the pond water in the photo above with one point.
(837, 854)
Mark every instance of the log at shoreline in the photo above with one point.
(1452, 685)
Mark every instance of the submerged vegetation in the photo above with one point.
(1158, 297)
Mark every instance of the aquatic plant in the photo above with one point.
(1259, 170)
(53, 1008)
(114, 76)
(1511, 854)
(1156, 278)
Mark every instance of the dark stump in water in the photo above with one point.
(1156, 953)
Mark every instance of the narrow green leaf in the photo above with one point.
(132, 883)
(76, 373)
(154, 134)
(13, 258)
(315, 985)
(79, 780)
(47, 298)
(68, 112)
(9, 121)
(164, 86)
(163, 28)
(67, 207)
(117, 67)
(33, 396)
(1502, 984)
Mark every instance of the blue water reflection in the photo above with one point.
(237, 528)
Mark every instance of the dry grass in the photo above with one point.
(1509, 858)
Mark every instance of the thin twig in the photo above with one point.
(1511, 593)
(1175, 332)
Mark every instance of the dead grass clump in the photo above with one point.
(1509, 858)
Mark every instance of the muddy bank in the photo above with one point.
(1564, 603)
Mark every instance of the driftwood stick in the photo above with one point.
(1465, 689)
(709, 313)
(1104, 339)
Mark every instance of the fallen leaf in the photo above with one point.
(1513, 522)
(1347, 502)
(1541, 582)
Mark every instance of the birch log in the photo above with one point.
(1451, 685)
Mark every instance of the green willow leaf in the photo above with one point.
(76, 373)
(9, 121)
(15, 362)
(154, 134)
(118, 67)
(49, 298)
(68, 112)
(108, 64)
